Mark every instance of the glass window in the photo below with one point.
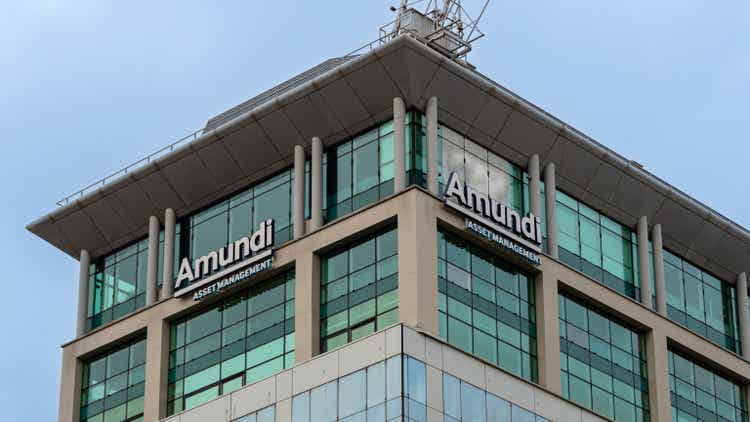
(112, 385)
(698, 393)
(701, 302)
(117, 284)
(486, 306)
(597, 246)
(603, 363)
(360, 396)
(242, 339)
(359, 289)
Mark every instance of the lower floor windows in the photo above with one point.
(486, 306)
(359, 289)
(113, 385)
(603, 363)
(700, 394)
(243, 339)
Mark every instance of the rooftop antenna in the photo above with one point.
(444, 25)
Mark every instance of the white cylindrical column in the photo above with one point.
(535, 200)
(399, 145)
(299, 192)
(83, 292)
(432, 145)
(644, 272)
(152, 266)
(316, 184)
(743, 315)
(167, 286)
(660, 287)
(550, 189)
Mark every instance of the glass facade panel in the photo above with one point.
(486, 306)
(700, 394)
(603, 363)
(373, 394)
(112, 385)
(701, 302)
(359, 289)
(481, 169)
(242, 339)
(463, 402)
(597, 246)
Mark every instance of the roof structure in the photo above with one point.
(341, 97)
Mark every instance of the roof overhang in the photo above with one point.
(358, 94)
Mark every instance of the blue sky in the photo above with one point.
(88, 86)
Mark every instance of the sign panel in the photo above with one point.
(495, 221)
(227, 266)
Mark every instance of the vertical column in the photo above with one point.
(658, 376)
(644, 263)
(548, 330)
(83, 292)
(659, 281)
(153, 260)
(157, 365)
(69, 406)
(550, 189)
(417, 262)
(399, 145)
(306, 307)
(535, 200)
(299, 192)
(170, 220)
(432, 145)
(316, 184)
(742, 315)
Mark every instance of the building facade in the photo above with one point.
(393, 236)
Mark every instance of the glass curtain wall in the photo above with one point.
(113, 385)
(486, 306)
(243, 339)
(359, 289)
(481, 169)
(603, 363)
(117, 284)
(597, 246)
(701, 302)
(700, 394)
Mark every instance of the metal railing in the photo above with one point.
(129, 168)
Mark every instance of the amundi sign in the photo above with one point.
(227, 266)
(496, 221)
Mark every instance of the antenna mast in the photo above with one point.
(446, 27)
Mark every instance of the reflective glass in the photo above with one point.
(701, 302)
(603, 363)
(359, 289)
(113, 384)
(240, 340)
(486, 306)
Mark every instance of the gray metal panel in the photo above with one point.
(221, 165)
(344, 103)
(605, 179)
(492, 117)
(457, 96)
(683, 224)
(190, 178)
(107, 220)
(577, 164)
(526, 135)
(136, 205)
(636, 197)
(79, 226)
(281, 132)
(250, 148)
(373, 87)
(310, 120)
(159, 190)
(411, 71)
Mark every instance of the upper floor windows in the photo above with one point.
(112, 385)
(359, 289)
(701, 302)
(597, 245)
